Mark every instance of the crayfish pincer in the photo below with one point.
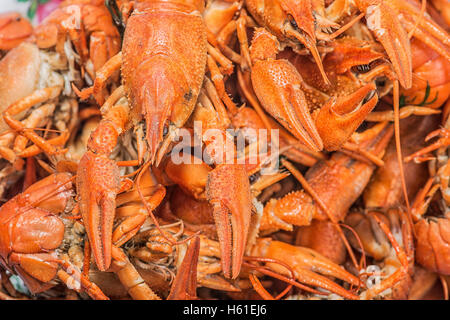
(163, 61)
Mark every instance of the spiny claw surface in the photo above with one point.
(340, 117)
(228, 190)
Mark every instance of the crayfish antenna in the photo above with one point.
(398, 147)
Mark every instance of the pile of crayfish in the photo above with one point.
(226, 149)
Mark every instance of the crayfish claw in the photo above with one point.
(98, 203)
(228, 190)
(306, 265)
(385, 25)
(277, 85)
(184, 286)
(340, 117)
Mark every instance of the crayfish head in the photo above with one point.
(162, 92)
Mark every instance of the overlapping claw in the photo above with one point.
(184, 286)
(340, 117)
(228, 190)
(134, 214)
(306, 264)
(277, 85)
(98, 204)
(98, 182)
(294, 22)
(385, 25)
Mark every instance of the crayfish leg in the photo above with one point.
(136, 287)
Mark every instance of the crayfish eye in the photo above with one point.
(188, 96)
(253, 178)
(292, 22)
(362, 68)
(165, 130)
